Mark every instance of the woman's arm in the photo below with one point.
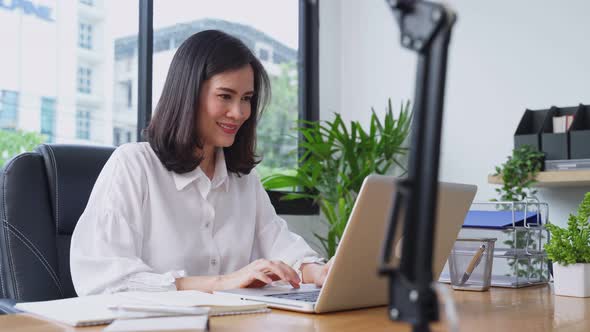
(106, 246)
(275, 241)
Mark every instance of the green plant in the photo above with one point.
(15, 142)
(336, 158)
(518, 174)
(571, 245)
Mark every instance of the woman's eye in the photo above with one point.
(247, 98)
(225, 96)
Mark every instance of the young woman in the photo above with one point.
(186, 210)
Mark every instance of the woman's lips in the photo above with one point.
(228, 128)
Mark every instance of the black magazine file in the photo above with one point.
(580, 134)
(530, 127)
(556, 145)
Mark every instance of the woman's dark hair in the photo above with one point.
(172, 132)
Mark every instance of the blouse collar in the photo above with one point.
(219, 178)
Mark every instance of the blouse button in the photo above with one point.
(213, 261)
(207, 225)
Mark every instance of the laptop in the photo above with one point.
(353, 281)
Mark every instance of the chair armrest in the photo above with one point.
(7, 307)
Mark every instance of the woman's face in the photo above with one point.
(224, 105)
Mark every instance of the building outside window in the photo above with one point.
(85, 35)
(84, 79)
(48, 118)
(47, 76)
(83, 118)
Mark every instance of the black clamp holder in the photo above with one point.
(426, 29)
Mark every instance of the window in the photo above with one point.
(117, 136)
(48, 118)
(128, 86)
(85, 35)
(83, 124)
(290, 36)
(9, 110)
(84, 80)
(263, 54)
(50, 91)
(265, 34)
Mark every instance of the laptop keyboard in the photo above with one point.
(303, 296)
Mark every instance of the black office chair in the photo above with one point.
(42, 195)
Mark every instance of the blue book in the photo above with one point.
(498, 219)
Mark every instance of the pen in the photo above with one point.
(473, 264)
(161, 309)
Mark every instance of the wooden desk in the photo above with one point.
(530, 309)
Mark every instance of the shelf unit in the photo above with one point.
(555, 179)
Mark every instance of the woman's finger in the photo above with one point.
(285, 272)
(262, 277)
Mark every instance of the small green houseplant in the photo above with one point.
(569, 249)
(518, 174)
(336, 159)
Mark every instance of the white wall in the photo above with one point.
(505, 56)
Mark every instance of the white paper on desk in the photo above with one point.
(218, 304)
(176, 323)
(76, 311)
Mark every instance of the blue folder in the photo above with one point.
(498, 219)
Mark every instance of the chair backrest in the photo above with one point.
(42, 195)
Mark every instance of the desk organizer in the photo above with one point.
(556, 145)
(536, 129)
(519, 258)
(530, 128)
(580, 134)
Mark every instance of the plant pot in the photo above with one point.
(572, 280)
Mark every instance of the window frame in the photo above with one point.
(84, 79)
(85, 32)
(83, 123)
(308, 71)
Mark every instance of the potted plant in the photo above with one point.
(336, 159)
(569, 249)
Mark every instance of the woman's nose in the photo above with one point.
(237, 111)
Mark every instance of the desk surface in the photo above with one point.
(528, 309)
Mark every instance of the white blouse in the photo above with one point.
(145, 226)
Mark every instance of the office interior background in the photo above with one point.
(69, 73)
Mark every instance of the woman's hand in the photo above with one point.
(315, 273)
(259, 273)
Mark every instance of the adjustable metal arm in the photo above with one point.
(426, 29)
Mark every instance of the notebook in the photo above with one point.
(218, 304)
(177, 323)
(498, 219)
(94, 309)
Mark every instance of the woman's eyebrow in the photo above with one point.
(234, 91)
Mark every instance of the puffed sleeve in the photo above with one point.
(274, 240)
(107, 241)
